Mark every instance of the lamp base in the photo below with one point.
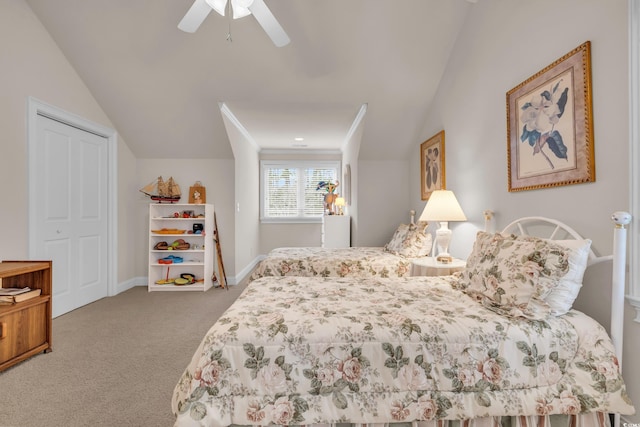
(444, 258)
(443, 237)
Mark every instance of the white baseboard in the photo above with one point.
(128, 284)
(231, 280)
(244, 273)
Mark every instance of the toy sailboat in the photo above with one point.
(162, 191)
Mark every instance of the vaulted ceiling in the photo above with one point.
(163, 88)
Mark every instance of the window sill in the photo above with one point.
(315, 220)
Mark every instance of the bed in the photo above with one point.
(427, 350)
(409, 241)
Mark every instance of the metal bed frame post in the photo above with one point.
(621, 220)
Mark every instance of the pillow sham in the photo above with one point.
(512, 274)
(398, 237)
(410, 241)
(562, 297)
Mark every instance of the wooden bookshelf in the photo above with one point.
(25, 327)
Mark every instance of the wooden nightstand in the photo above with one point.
(25, 327)
(429, 267)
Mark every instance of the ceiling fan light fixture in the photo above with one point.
(244, 4)
(241, 8)
(218, 5)
(239, 11)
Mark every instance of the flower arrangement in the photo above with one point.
(329, 186)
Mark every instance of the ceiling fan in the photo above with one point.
(241, 8)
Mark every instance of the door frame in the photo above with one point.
(36, 107)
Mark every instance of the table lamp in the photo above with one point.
(443, 207)
(340, 204)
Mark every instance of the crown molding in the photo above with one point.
(356, 122)
(226, 111)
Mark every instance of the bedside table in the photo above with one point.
(429, 267)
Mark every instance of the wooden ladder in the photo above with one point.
(222, 280)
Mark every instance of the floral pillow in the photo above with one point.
(512, 275)
(410, 240)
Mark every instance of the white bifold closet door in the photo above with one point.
(71, 223)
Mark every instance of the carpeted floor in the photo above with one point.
(114, 362)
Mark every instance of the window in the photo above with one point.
(288, 189)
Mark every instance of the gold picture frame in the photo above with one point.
(432, 173)
(550, 125)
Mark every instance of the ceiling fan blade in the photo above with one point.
(196, 14)
(269, 23)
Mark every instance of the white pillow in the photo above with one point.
(561, 298)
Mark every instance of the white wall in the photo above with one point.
(350, 157)
(502, 43)
(383, 195)
(32, 65)
(247, 198)
(216, 175)
(494, 53)
(127, 227)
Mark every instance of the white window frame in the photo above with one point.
(293, 164)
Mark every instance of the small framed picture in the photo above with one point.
(432, 165)
(197, 194)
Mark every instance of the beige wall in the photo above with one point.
(350, 157)
(246, 193)
(502, 44)
(214, 174)
(33, 66)
(383, 197)
(471, 108)
(128, 265)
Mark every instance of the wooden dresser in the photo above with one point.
(25, 327)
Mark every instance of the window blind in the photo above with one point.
(289, 188)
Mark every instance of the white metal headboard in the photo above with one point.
(560, 230)
(548, 228)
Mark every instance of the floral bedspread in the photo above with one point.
(336, 262)
(298, 350)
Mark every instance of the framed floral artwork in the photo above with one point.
(550, 125)
(432, 174)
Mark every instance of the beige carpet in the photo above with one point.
(114, 362)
